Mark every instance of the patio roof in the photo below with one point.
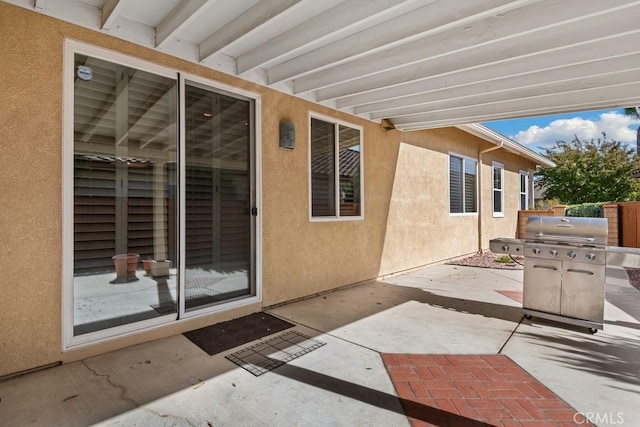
(418, 64)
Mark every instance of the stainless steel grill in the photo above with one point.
(565, 267)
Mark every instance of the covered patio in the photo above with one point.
(411, 64)
(412, 79)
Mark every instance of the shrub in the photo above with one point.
(588, 210)
(546, 204)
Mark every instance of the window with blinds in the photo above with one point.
(462, 185)
(335, 170)
(524, 190)
(498, 193)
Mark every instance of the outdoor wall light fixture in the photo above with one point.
(287, 134)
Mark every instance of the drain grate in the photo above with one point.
(267, 355)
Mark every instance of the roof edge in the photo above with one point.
(509, 144)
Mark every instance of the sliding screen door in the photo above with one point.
(218, 197)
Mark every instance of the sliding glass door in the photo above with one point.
(218, 197)
(160, 197)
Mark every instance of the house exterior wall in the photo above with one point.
(405, 189)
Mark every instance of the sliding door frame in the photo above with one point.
(255, 273)
(71, 342)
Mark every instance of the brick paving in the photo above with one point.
(474, 390)
(514, 295)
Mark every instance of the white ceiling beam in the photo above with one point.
(337, 19)
(467, 70)
(248, 21)
(110, 12)
(134, 31)
(515, 114)
(183, 15)
(470, 60)
(610, 68)
(572, 86)
(86, 15)
(517, 30)
(591, 96)
(74, 11)
(434, 17)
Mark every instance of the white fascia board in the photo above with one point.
(496, 138)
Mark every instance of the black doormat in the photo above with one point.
(226, 335)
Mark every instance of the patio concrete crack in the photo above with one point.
(112, 384)
(510, 335)
(175, 418)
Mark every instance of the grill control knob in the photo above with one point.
(505, 248)
(590, 256)
(553, 252)
(571, 254)
(535, 250)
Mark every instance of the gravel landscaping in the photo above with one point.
(489, 260)
(634, 277)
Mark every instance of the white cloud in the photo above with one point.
(616, 125)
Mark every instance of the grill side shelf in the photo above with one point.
(507, 246)
(623, 257)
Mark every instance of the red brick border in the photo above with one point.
(474, 390)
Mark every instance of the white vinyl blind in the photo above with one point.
(462, 185)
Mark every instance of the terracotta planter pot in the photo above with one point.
(126, 266)
(148, 266)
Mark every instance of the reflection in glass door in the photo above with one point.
(218, 197)
(124, 199)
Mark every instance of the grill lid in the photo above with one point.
(567, 230)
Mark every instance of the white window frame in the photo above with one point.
(69, 341)
(337, 123)
(500, 213)
(464, 190)
(524, 174)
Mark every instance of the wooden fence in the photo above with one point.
(623, 222)
(629, 224)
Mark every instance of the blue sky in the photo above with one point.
(543, 132)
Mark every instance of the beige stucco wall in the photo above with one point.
(406, 223)
(420, 229)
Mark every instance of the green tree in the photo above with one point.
(633, 112)
(590, 171)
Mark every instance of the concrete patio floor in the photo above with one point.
(439, 310)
